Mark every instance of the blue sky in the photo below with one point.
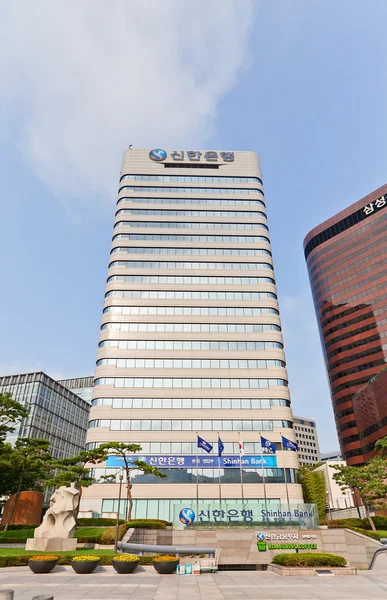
(302, 82)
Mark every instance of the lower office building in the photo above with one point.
(55, 413)
(191, 340)
(81, 386)
(307, 440)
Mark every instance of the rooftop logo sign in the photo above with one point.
(159, 155)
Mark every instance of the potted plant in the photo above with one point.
(165, 565)
(125, 563)
(84, 563)
(42, 563)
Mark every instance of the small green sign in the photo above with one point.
(261, 546)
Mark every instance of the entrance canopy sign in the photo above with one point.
(202, 462)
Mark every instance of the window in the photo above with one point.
(218, 201)
(190, 311)
(192, 251)
(189, 425)
(190, 279)
(188, 363)
(190, 225)
(137, 264)
(190, 213)
(165, 237)
(186, 345)
(188, 190)
(192, 295)
(150, 382)
(193, 327)
(192, 178)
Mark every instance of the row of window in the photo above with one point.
(356, 286)
(350, 311)
(193, 178)
(187, 363)
(186, 382)
(199, 403)
(190, 424)
(191, 447)
(166, 237)
(190, 213)
(184, 475)
(194, 327)
(139, 264)
(202, 311)
(188, 225)
(357, 369)
(185, 295)
(198, 251)
(190, 279)
(186, 345)
(355, 276)
(187, 190)
(357, 355)
(356, 344)
(349, 322)
(220, 201)
(330, 270)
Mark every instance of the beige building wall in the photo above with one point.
(243, 229)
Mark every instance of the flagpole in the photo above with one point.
(263, 474)
(197, 472)
(220, 485)
(286, 479)
(241, 472)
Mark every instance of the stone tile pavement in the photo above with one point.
(146, 584)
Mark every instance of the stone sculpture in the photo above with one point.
(58, 526)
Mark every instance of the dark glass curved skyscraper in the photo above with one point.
(347, 264)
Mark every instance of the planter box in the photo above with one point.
(123, 567)
(309, 571)
(84, 567)
(166, 568)
(42, 566)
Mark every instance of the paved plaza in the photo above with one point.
(146, 584)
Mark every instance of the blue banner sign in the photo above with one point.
(204, 462)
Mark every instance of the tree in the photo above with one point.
(29, 461)
(73, 470)
(313, 488)
(11, 412)
(369, 480)
(124, 451)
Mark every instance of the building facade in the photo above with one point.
(81, 386)
(306, 437)
(370, 411)
(191, 338)
(346, 258)
(55, 413)
(333, 456)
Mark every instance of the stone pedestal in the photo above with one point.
(52, 544)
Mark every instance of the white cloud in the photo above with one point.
(82, 80)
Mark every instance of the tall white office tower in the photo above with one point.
(191, 336)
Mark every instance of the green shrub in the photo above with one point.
(345, 523)
(374, 535)
(89, 535)
(96, 522)
(16, 527)
(108, 536)
(146, 524)
(309, 560)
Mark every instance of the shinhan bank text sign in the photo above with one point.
(204, 462)
(159, 155)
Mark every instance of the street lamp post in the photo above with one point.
(329, 506)
(121, 476)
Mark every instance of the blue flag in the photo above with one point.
(205, 445)
(267, 444)
(220, 447)
(288, 444)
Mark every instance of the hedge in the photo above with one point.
(21, 560)
(309, 560)
(108, 536)
(96, 522)
(380, 522)
(16, 527)
(146, 524)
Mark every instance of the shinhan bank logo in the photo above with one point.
(157, 154)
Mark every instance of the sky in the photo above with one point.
(301, 82)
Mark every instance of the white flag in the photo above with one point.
(241, 448)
